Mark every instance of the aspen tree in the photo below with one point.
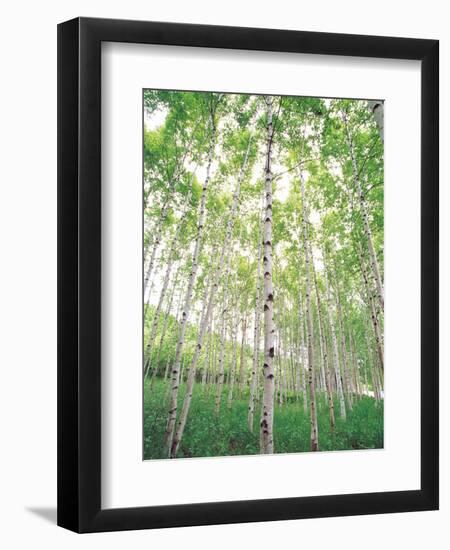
(324, 349)
(367, 230)
(170, 261)
(309, 324)
(377, 108)
(342, 409)
(175, 379)
(242, 355)
(347, 381)
(256, 337)
(267, 446)
(233, 367)
(165, 323)
(210, 304)
(373, 311)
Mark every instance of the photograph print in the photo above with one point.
(263, 300)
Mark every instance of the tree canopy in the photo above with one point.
(263, 270)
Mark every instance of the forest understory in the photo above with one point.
(227, 434)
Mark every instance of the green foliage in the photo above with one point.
(227, 434)
(330, 146)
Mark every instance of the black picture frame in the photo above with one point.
(79, 274)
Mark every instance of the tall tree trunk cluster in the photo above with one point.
(263, 269)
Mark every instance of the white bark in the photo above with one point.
(337, 373)
(172, 249)
(212, 294)
(309, 324)
(368, 232)
(278, 370)
(256, 336)
(267, 446)
(206, 314)
(324, 349)
(222, 337)
(373, 311)
(177, 319)
(242, 355)
(377, 108)
(165, 323)
(155, 322)
(355, 367)
(345, 368)
(208, 351)
(302, 354)
(175, 378)
(156, 243)
(233, 366)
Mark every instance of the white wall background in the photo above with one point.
(28, 270)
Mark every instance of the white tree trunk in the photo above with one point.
(242, 355)
(155, 323)
(233, 367)
(373, 257)
(373, 311)
(337, 373)
(221, 365)
(165, 323)
(212, 294)
(303, 353)
(156, 243)
(170, 261)
(175, 378)
(345, 371)
(256, 336)
(267, 446)
(206, 314)
(209, 337)
(355, 367)
(324, 349)
(309, 324)
(377, 108)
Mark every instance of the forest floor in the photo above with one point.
(227, 434)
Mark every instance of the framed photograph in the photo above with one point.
(247, 275)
